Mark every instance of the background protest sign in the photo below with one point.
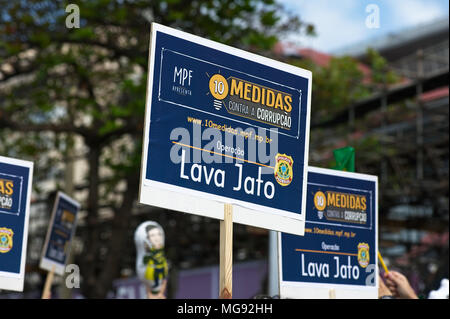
(338, 252)
(224, 126)
(60, 233)
(15, 192)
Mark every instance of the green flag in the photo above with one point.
(345, 159)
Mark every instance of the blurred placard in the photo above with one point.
(15, 192)
(338, 252)
(60, 233)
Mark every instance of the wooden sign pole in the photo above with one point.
(46, 293)
(332, 293)
(226, 253)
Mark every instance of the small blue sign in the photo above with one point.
(60, 233)
(15, 192)
(340, 241)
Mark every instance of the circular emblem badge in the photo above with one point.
(320, 200)
(283, 169)
(218, 86)
(363, 255)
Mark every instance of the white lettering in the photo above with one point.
(373, 19)
(315, 269)
(73, 19)
(183, 155)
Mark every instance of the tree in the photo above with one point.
(58, 84)
(337, 85)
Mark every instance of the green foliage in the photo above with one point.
(335, 86)
(85, 33)
(85, 74)
(343, 81)
(381, 74)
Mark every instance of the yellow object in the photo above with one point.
(156, 267)
(218, 86)
(382, 263)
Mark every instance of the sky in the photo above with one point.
(340, 23)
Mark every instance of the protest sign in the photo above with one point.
(61, 230)
(337, 256)
(224, 126)
(15, 193)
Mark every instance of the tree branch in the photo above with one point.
(65, 127)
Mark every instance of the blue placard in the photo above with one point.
(225, 125)
(15, 188)
(60, 233)
(340, 241)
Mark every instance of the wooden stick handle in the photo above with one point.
(382, 263)
(226, 254)
(46, 293)
(332, 293)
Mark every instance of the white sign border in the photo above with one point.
(45, 263)
(9, 280)
(305, 290)
(185, 200)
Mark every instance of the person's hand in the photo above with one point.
(47, 295)
(399, 285)
(161, 296)
(152, 296)
(383, 290)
